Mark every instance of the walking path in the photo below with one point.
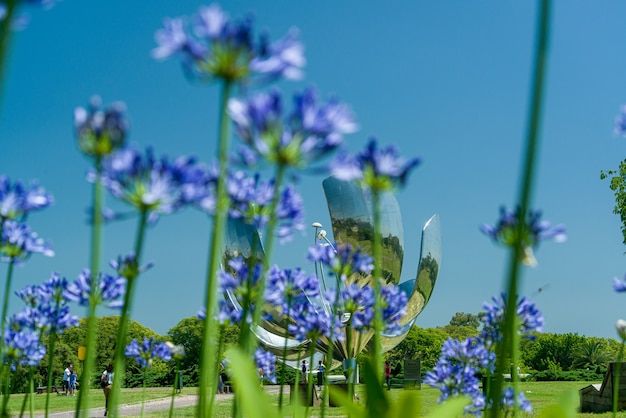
(162, 404)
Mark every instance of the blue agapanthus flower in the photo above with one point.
(100, 131)
(530, 319)
(376, 168)
(505, 232)
(46, 307)
(311, 323)
(22, 347)
(147, 183)
(309, 133)
(456, 371)
(266, 361)
(18, 242)
(147, 351)
(286, 288)
(109, 290)
(620, 122)
(508, 402)
(212, 45)
(239, 285)
(619, 285)
(17, 200)
(127, 267)
(342, 260)
(250, 199)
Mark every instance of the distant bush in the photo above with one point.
(569, 375)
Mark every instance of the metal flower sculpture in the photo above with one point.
(352, 223)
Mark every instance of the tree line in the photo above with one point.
(546, 357)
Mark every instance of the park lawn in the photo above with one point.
(68, 403)
(541, 394)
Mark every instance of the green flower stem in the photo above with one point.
(267, 247)
(331, 346)
(31, 379)
(349, 359)
(510, 345)
(309, 387)
(220, 350)
(119, 363)
(176, 369)
(283, 369)
(7, 393)
(5, 38)
(5, 301)
(210, 326)
(378, 315)
(90, 344)
(51, 346)
(620, 358)
(143, 393)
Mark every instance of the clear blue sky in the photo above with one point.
(447, 81)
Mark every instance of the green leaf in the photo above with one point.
(377, 402)
(566, 407)
(452, 408)
(255, 403)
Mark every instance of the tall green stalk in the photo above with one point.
(510, 342)
(620, 358)
(219, 225)
(284, 368)
(51, 346)
(5, 301)
(92, 320)
(377, 275)
(5, 39)
(176, 377)
(119, 363)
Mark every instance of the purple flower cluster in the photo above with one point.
(145, 352)
(109, 290)
(620, 122)
(100, 131)
(240, 286)
(456, 371)
(250, 199)
(508, 402)
(289, 287)
(212, 46)
(46, 308)
(311, 323)
(147, 183)
(127, 267)
(22, 347)
(342, 260)
(376, 168)
(308, 134)
(18, 242)
(505, 232)
(530, 319)
(266, 361)
(17, 200)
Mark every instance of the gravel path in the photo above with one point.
(135, 409)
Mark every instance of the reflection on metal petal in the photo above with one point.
(352, 222)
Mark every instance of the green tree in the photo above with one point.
(550, 351)
(422, 343)
(618, 185)
(591, 353)
(462, 319)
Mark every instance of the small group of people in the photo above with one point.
(69, 380)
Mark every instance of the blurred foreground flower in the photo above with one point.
(145, 352)
(214, 46)
(100, 131)
(109, 290)
(17, 200)
(533, 231)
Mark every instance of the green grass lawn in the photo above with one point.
(541, 395)
(67, 403)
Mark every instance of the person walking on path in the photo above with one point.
(106, 380)
(304, 372)
(388, 375)
(66, 378)
(72, 381)
(320, 374)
